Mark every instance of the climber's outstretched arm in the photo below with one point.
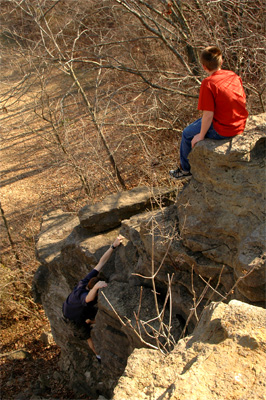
(109, 252)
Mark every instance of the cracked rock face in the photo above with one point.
(222, 210)
(223, 359)
(210, 237)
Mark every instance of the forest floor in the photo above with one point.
(30, 185)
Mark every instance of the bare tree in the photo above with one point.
(57, 47)
(186, 27)
(10, 239)
(131, 69)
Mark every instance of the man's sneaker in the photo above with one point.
(99, 359)
(179, 174)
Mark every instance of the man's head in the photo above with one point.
(92, 282)
(211, 58)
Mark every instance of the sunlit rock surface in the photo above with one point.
(208, 244)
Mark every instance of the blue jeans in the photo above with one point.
(188, 134)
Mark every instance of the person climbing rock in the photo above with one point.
(80, 307)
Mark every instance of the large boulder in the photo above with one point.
(222, 210)
(223, 359)
(207, 246)
(107, 215)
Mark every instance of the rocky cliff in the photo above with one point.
(203, 243)
(223, 359)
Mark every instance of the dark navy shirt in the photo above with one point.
(75, 306)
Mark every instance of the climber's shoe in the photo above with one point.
(99, 359)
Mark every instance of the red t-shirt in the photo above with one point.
(223, 93)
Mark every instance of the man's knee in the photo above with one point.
(191, 130)
(186, 133)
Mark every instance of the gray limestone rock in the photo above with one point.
(17, 355)
(107, 215)
(222, 208)
(221, 360)
(209, 246)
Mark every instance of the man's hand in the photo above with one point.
(197, 138)
(108, 253)
(118, 241)
(206, 121)
(100, 285)
(93, 292)
(90, 321)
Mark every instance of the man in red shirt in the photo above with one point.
(223, 102)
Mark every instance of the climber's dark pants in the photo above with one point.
(81, 330)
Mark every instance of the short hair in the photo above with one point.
(211, 58)
(92, 282)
